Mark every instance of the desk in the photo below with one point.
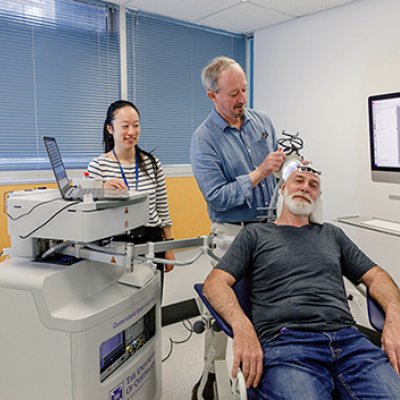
(375, 224)
(381, 244)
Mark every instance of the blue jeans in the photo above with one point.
(302, 365)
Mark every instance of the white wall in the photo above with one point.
(314, 75)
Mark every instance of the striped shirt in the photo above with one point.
(107, 168)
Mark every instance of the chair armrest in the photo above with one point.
(375, 314)
(218, 319)
(241, 289)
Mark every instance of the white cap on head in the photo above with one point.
(287, 170)
(293, 165)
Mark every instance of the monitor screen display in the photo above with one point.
(116, 350)
(384, 133)
(111, 350)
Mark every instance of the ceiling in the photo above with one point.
(242, 16)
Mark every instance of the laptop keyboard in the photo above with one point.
(80, 192)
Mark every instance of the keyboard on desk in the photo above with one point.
(382, 224)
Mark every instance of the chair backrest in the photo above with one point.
(241, 289)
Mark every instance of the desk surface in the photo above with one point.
(373, 223)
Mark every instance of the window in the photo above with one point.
(165, 59)
(59, 71)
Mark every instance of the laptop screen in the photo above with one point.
(57, 163)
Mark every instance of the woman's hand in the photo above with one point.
(169, 255)
(114, 183)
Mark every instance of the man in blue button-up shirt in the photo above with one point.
(233, 154)
(234, 150)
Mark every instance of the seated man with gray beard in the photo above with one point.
(302, 342)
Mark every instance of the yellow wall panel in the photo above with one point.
(188, 208)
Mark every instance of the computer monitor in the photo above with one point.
(384, 134)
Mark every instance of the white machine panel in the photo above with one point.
(43, 214)
(54, 321)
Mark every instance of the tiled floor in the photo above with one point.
(183, 368)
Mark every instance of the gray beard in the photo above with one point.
(298, 207)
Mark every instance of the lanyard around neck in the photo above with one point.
(136, 170)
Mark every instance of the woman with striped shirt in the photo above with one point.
(125, 165)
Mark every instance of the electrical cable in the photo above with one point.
(103, 249)
(28, 212)
(56, 248)
(48, 220)
(172, 342)
(172, 262)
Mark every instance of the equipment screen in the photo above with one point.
(384, 130)
(111, 350)
(116, 350)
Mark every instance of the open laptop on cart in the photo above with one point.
(64, 184)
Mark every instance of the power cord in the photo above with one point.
(28, 212)
(48, 220)
(173, 341)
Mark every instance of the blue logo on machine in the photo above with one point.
(117, 393)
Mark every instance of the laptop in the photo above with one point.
(63, 182)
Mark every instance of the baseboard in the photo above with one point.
(177, 312)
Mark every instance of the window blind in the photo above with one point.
(59, 70)
(165, 59)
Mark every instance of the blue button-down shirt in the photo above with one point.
(222, 157)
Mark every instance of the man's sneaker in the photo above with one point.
(208, 392)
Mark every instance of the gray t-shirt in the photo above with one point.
(295, 275)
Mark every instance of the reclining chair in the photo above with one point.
(225, 388)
